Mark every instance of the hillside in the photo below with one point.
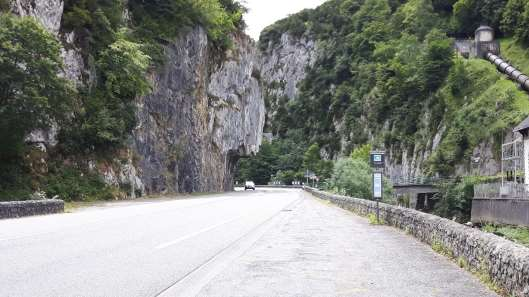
(384, 73)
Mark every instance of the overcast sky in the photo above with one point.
(266, 12)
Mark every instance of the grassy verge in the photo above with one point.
(482, 272)
(515, 53)
(516, 234)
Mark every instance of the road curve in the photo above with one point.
(269, 242)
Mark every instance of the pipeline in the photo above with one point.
(509, 70)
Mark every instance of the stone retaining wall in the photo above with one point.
(506, 263)
(16, 209)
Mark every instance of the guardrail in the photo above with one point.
(415, 180)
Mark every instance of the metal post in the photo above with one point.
(378, 213)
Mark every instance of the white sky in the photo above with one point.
(263, 13)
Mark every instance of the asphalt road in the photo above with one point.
(262, 243)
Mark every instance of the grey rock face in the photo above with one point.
(199, 118)
(73, 60)
(47, 12)
(285, 64)
(283, 67)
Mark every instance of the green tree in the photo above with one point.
(362, 153)
(108, 115)
(436, 60)
(4, 5)
(259, 168)
(512, 16)
(311, 158)
(32, 94)
(521, 30)
(469, 14)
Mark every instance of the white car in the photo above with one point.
(249, 185)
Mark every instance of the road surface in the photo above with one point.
(271, 242)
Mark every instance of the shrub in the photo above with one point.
(71, 184)
(455, 198)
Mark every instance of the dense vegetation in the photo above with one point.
(384, 65)
(94, 119)
(387, 75)
(284, 160)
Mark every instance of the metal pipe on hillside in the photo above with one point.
(509, 70)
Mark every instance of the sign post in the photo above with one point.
(378, 159)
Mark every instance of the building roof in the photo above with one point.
(484, 27)
(524, 125)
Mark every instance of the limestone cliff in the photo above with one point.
(200, 117)
(284, 67)
(205, 111)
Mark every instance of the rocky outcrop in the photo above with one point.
(47, 12)
(284, 66)
(200, 117)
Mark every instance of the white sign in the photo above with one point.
(377, 185)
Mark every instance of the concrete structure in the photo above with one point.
(523, 128)
(484, 42)
(416, 196)
(415, 192)
(501, 211)
(507, 202)
(506, 263)
(17, 209)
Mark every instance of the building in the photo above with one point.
(507, 202)
(484, 42)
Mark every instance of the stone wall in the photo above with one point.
(17, 209)
(506, 263)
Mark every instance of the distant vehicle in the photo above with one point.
(249, 185)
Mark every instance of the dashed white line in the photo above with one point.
(183, 238)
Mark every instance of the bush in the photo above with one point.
(455, 198)
(71, 184)
(353, 177)
(109, 112)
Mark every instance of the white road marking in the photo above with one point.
(176, 241)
